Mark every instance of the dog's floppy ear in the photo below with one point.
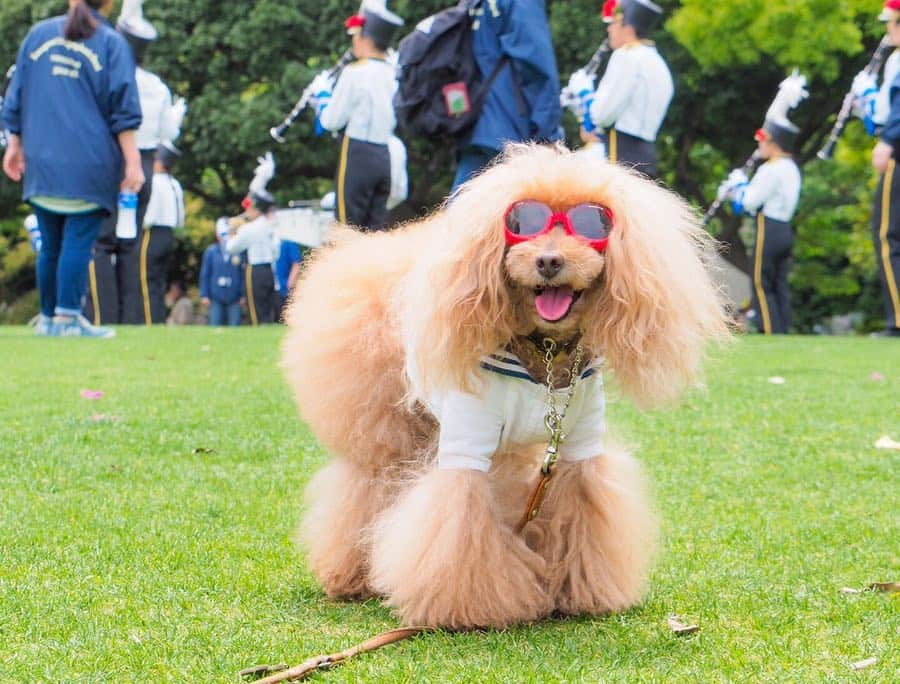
(456, 305)
(658, 308)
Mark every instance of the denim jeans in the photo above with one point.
(471, 161)
(220, 313)
(63, 261)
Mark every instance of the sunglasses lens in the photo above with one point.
(527, 218)
(591, 221)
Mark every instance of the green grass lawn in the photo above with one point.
(147, 536)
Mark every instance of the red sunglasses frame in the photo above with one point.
(555, 219)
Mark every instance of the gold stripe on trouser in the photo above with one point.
(95, 296)
(757, 273)
(248, 283)
(613, 146)
(145, 290)
(883, 239)
(342, 175)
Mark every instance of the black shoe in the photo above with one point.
(889, 332)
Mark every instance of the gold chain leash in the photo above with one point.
(553, 421)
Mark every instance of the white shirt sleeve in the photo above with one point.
(246, 236)
(762, 187)
(169, 121)
(336, 114)
(470, 430)
(615, 89)
(584, 439)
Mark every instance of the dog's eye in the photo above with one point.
(592, 221)
(527, 217)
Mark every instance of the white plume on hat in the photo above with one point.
(791, 92)
(265, 171)
(132, 18)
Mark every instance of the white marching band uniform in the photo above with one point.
(634, 93)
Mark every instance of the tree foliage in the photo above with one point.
(241, 66)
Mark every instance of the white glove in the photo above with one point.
(864, 85)
(322, 83)
(736, 178)
(263, 174)
(581, 82)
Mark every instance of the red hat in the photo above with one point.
(609, 11)
(761, 135)
(891, 7)
(354, 23)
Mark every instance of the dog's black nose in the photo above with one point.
(548, 265)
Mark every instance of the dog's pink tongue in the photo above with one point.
(554, 302)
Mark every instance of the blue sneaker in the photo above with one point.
(44, 326)
(80, 327)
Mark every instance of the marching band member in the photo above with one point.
(257, 237)
(362, 104)
(116, 273)
(165, 213)
(880, 110)
(634, 94)
(772, 196)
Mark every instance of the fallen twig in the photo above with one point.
(681, 629)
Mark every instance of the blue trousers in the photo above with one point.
(221, 313)
(63, 261)
(471, 161)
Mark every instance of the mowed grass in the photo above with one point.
(147, 536)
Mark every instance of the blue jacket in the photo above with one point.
(518, 29)
(290, 254)
(68, 101)
(221, 275)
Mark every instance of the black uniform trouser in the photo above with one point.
(363, 184)
(886, 238)
(631, 151)
(260, 282)
(771, 259)
(157, 245)
(115, 276)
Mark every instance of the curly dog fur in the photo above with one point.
(381, 321)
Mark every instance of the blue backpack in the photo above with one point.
(440, 91)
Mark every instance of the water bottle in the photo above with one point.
(126, 225)
(34, 232)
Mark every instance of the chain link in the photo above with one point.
(553, 421)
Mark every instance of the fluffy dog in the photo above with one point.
(418, 359)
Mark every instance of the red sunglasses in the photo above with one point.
(528, 219)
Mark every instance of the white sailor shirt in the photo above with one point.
(634, 93)
(363, 102)
(776, 188)
(509, 410)
(258, 239)
(883, 98)
(159, 121)
(166, 205)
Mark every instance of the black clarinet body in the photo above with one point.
(885, 48)
(597, 59)
(277, 132)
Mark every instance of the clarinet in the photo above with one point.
(596, 61)
(747, 168)
(3, 137)
(591, 68)
(885, 47)
(277, 132)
